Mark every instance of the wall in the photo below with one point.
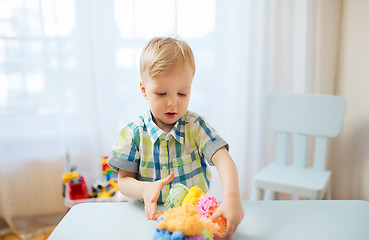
(349, 156)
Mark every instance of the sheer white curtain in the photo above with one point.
(270, 46)
(69, 80)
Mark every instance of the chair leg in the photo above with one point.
(274, 195)
(258, 194)
(271, 195)
(327, 195)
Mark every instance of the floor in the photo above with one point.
(12, 236)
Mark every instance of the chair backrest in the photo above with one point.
(305, 115)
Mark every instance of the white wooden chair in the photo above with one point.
(300, 115)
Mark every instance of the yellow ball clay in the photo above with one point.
(193, 195)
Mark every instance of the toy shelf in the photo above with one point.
(117, 197)
(75, 188)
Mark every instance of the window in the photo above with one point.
(46, 45)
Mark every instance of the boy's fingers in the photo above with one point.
(216, 215)
(150, 210)
(153, 212)
(167, 179)
(150, 205)
(230, 230)
(147, 211)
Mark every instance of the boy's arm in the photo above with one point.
(148, 191)
(231, 206)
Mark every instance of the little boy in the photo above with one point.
(170, 144)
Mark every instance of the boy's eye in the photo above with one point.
(182, 94)
(161, 94)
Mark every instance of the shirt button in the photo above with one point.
(164, 168)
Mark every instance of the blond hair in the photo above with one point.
(161, 55)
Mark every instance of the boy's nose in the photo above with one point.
(172, 102)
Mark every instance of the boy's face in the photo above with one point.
(168, 96)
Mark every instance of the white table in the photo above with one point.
(274, 220)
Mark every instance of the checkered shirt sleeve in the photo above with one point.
(126, 148)
(209, 140)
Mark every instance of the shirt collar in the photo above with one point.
(178, 131)
(155, 132)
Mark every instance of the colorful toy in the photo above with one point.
(176, 196)
(69, 176)
(184, 219)
(176, 235)
(166, 235)
(108, 189)
(218, 227)
(182, 222)
(206, 206)
(192, 218)
(193, 195)
(77, 188)
(108, 171)
(76, 185)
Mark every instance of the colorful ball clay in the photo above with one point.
(177, 235)
(184, 219)
(207, 235)
(218, 227)
(193, 195)
(188, 216)
(165, 234)
(206, 206)
(197, 237)
(161, 234)
(176, 195)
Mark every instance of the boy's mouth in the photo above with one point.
(170, 114)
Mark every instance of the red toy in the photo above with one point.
(78, 189)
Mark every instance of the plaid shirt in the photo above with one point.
(143, 148)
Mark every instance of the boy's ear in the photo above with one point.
(143, 89)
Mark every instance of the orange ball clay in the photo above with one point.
(218, 227)
(184, 219)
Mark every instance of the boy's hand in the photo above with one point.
(151, 195)
(232, 210)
